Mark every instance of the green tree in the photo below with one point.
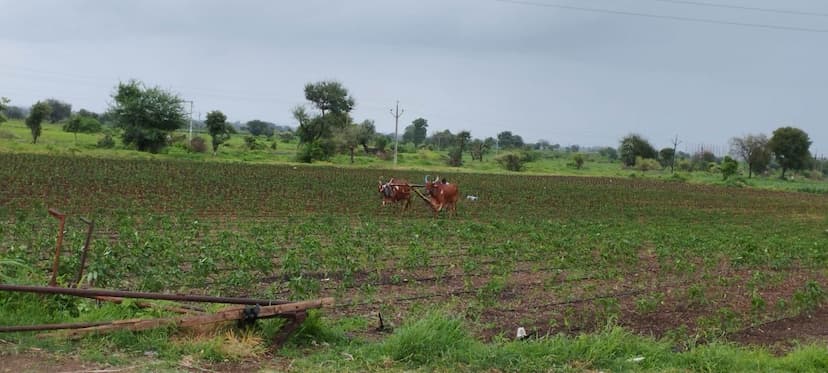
(790, 147)
(218, 128)
(634, 146)
(507, 140)
(260, 128)
(147, 115)
(416, 132)
(60, 110)
(753, 150)
(39, 112)
(667, 157)
(578, 159)
(329, 97)
(478, 148)
(315, 133)
(78, 123)
(441, 140)
(3, 107)
(729, 167)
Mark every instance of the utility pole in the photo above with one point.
(190, 135)
(396, 113)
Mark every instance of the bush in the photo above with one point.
(314, 151)
(198, 145)
(646, 164)
(729, 167)
(106, 142)
(253, 143)
(578, 159)
(511, 162)
(455, 157)
(82, 124)
(286, 136)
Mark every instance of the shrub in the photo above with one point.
(511, 162)
(198, 145)
(106, 142)
(729, 167)
(252, 143)
(646, 164)
(455, 157)
(578, 159)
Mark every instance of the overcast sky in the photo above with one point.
(568, 76)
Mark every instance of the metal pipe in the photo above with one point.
(62, 217)
(32, 328)
(136, 294)
(91, 225)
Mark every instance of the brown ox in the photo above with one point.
(442, 194)
(395, 190)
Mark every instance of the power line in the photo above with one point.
(741, 7)
(666, 17)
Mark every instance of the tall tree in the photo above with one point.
(218, 128)
(441, 139)
(329, 97)
(3, 106)
(419, 129)
(666, 157)
(634, 145)
(147, 115)
(507, 140)
(478, 148)
(753, 150)
(260, 128)
(39, 112)
(315, 133)
(790, 147)
(60, 110)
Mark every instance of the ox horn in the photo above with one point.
(426, 178)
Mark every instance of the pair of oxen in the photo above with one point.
(440, 193)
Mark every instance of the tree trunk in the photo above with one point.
(750, 170)
(352, 154)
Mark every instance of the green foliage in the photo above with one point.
(3, 107)
(39, 112)
(198, 145)
(634, 146)
(753, 150)
(507, 140)
(416, 132)
(433, 338)
(315, 151)
(610, 153)
(511, 161)
(60, 110)
(647, 164)
(287, 136)
(147, 115)
(218, 128)
(455, 157)
(334, 104)
(106, 142)
(578, 160)
(82, 124)
(729, 167)
(329, 97)
(666, 156)
(258, 127)
(790, 147)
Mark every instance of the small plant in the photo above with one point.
(511, 162)
(106, 142)
(197, 145)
